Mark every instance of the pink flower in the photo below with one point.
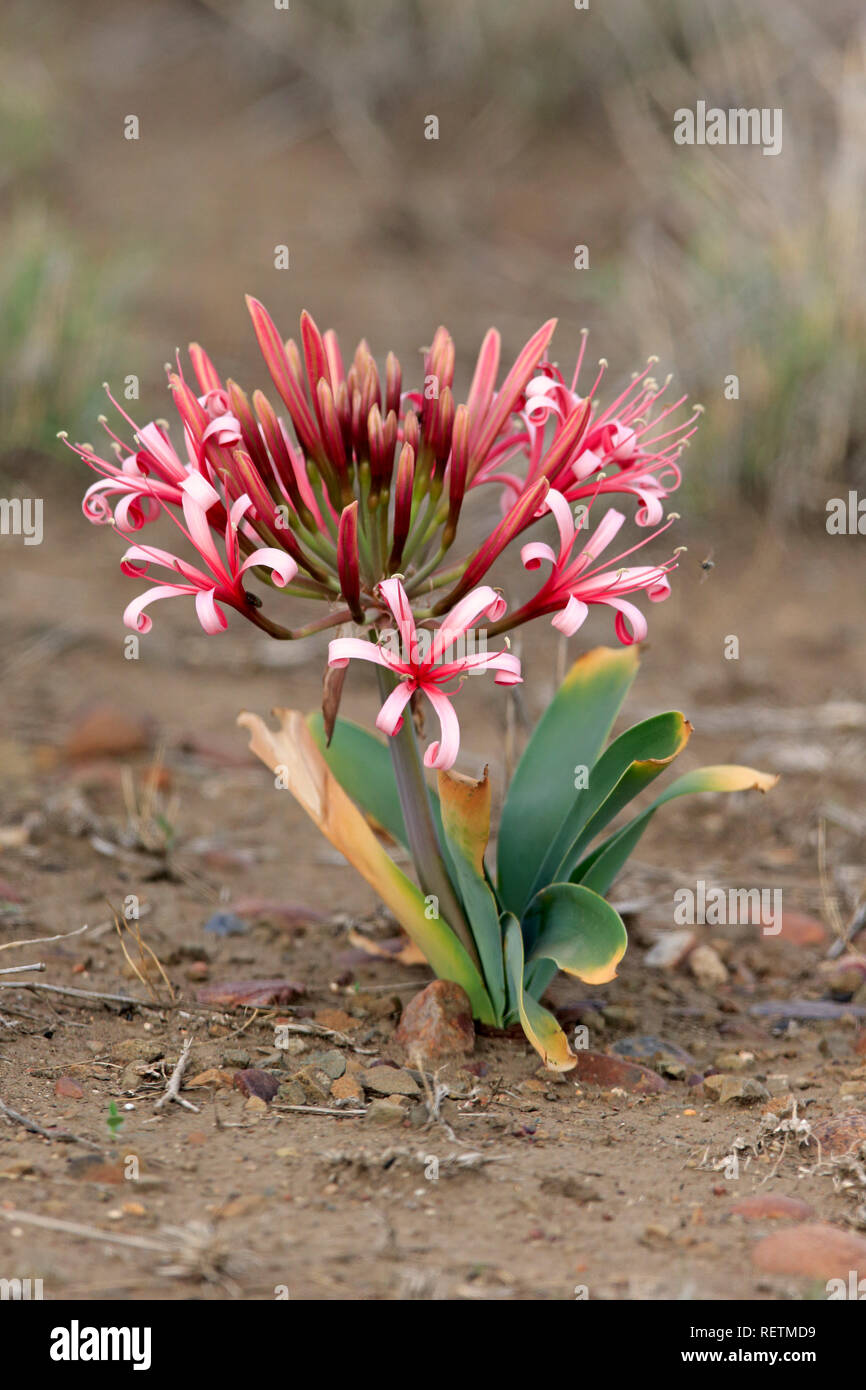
(224, 582)
(142, 482)
(574, 584)
(623, 440)
(419, 662)
(153, 475)
(621, 448)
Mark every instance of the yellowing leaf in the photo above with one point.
(291, 752)
(540, 1027)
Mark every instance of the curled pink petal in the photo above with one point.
(200, 490)
(398, 603)
(609, 526)
(507, 666)
(443, 753)
(572, 616)
(630, 625)
(212, 619)
(133, 510)
(282, 566)
(623, 444)
(344, 649)
(532, 554)
(134, 615)
(587, 462)
(658, 590)
(239, 509)
(155, 442)
(556, 503)
(481, 601)
(217, 402)
(225, 429)
(651, 511)
(390, 716)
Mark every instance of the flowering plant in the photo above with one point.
(359, 507)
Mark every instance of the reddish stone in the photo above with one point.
(213, 1076)
(251, 994)
(275, 910)
(95, 1168)
(106, 731)
(773, 1206)
(600, 1069)
(839, 1135)
(253, 1081)
(437, 1023)
(65, 1086)
(800, 930)
(347, 1088)
(335, 1019)
(816, 1251)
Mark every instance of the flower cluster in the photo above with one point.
(353, 493)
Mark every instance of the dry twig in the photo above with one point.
(172, 1090)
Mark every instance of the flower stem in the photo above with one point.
(420, 827)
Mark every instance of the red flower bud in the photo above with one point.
(284, 367)
(348, 565)
(402, 504)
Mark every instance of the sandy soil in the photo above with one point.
(572, 1185)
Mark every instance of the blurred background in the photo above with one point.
(305, 127)
(262, 127)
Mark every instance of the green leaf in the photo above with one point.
(465, 805)
(362, 765)
(599, 869)
(292, 752)
(577, 929)
(539, 1025)
(571, 733)
(631, 762)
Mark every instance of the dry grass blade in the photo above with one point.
(43, 940)
(123, 925)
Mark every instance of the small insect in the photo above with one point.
(708, 564)
(252, 599)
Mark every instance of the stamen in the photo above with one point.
(584, 333)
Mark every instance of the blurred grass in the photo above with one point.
(557, 129)
(60, 330)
